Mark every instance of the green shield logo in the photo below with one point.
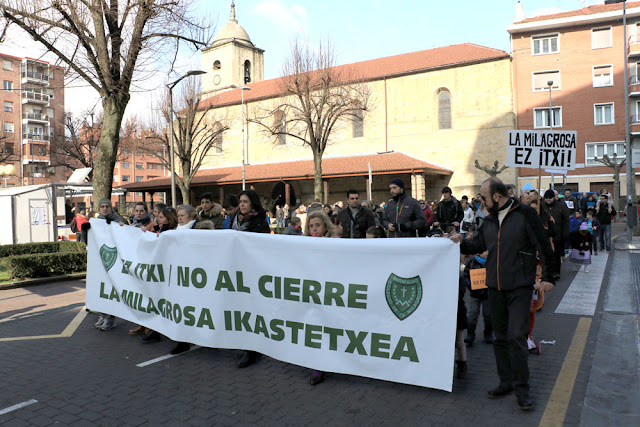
(403, 295)
(108, 256)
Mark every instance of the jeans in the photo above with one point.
(474, 312)
(605, 237)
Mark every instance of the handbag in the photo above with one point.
(465, 226)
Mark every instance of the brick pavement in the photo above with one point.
(92, 378)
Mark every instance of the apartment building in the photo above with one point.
(33, 111)
(568, 74)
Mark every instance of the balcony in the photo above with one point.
(34, 117)
(633, 48)
(35, 97)
(35, 78)
(35, 137)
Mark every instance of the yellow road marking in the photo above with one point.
(556, 410)
(68, 331)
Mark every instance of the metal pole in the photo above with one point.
(631, 176)
(171, 149)
(243, 142)
(550, 83)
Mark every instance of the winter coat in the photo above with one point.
(428, 215)
(292, 231)
(512, 246)
(574, 224)
(406, 213)
(252, 223)
(602, 213)
(560, 213)
(141, 222)
(581, 242)
(214, 215)
(360, 223)
(447, 212)
(573, 200)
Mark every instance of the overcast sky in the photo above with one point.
(358, 29)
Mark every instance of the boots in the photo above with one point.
(461, 368)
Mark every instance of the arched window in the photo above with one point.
(280, 126)
(357, 123)
(444, 109)
(217, 65)
(218, 137)
(247, 72)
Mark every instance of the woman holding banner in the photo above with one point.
(250, 217)
(318, 225)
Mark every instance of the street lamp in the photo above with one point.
(171, 149)
(550, 85)
(242, 89)
(631, 176)
(6, 171)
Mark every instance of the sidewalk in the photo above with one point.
(613, 391)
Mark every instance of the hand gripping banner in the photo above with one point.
(378, 308)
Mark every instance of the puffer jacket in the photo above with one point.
(512, 246)
(406, 213)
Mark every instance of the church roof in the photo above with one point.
(232, 31)
(356, 165)
(374, 69)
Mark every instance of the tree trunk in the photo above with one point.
(616, 186)
(186, 182)
(317, 176)
(113, 107)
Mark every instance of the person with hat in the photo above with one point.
(581, 244)
(558, 212)
(403, 216)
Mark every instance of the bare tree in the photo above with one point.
(616, 164)
(77, 144)
(105, 42)
(316, 97)
(494, 171)
(196, 131)
(7, 147)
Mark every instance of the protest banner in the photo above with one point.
(541, 149)
(378, 308)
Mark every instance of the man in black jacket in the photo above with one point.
(560, 213)
(403, 216)
(448, 211)
(355, 219)
(512, 233)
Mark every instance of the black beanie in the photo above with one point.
(398, 182)
(549, 194)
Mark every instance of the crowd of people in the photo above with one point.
(533, 232)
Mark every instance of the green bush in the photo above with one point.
(45, 264)
(40, 248)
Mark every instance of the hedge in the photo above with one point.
(45, 264)
(40, 248)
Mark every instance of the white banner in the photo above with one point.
(541, 149)
(378, 308)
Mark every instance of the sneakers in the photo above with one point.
(100, 321)
(108, 324)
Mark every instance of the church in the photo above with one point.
(432, 114)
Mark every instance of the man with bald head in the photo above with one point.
(512, 233)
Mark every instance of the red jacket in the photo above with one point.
(81, 220)
(428, 214)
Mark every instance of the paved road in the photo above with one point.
(58, 369)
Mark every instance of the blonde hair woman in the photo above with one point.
(319, 225)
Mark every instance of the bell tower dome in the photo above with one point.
(231, 60)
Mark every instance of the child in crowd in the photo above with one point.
(594, 229)
(295, 227)
(376, 232)
(581, 242)
(575, 221)
(479, 298)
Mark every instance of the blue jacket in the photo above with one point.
(574, 224)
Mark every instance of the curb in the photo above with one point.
(41, 281)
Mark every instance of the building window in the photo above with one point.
(7, 85)
(149, 165)
(601, 38)
(125, 178)
(281, 128)
(125, 165)
(247, 72)
(543, 45)
(603, 114)
(8, 127)
(357, 124)
(125, 152)
(8, 148)
(599, 149)
(8, 107)
(139, 179)
(541, 80)
(139, 165)
(541, 117)
(602, 75)
(159, 166)
(444, 109)
(139, 193)
(7, 65)
(216, 65)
